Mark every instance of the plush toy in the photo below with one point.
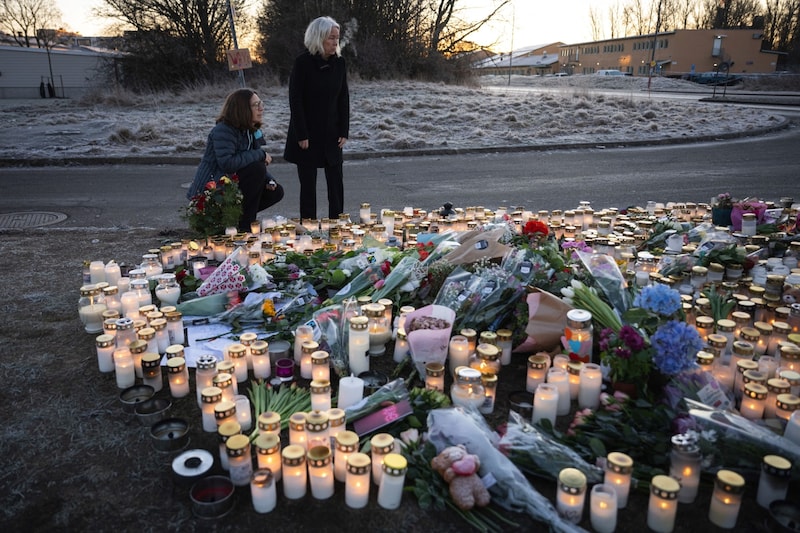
(460, 470)
(791, 294)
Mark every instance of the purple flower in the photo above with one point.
(683, 423)
(659, 298)
(631, 338)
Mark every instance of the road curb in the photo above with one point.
(358, 156)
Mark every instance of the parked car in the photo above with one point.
(714, 78)
(609, 72)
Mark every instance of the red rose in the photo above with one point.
(532, 227)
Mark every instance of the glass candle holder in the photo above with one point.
(390, 491)
(243, 412)
(151, 371)
(380, 445)
(792, 429)
(224, 381)
(560, 380)
(269, 422)
(124, 370)
(240, 463)
(467, 390)
(357, 468)
(574, 375)
(320, 366)
(302, 333)
(358, 345)
(262, 491)
(379, 330)
(618, 470)
(237, 354)
(726, 499)
(320, 472)
(259, 356)
(401, 348)
(486, 359)
(754, 399)
(297, 430)
(336, 421)
(538, 365)
(489, 382)
(685, 466)
(210, 396)
(773, 482)
(578, 333)
(224, 432)
(345, 444)
(458, 353)
(571, 494)
(225, 411)
(785, 407)
(472, 339)
(545, 403)
(178, 377)
(317, 433)
(90, 308)
(591, 381)
(663, 504)
(504, 343)
(105, 346)
(434, 376)
(308, 348)
(603, 508)
(320, 395)
(295, 475)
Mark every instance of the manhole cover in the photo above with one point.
(33, 219)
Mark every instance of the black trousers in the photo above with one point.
(253, 183)
(334, 178)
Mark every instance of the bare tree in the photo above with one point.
(641, 17)
(450, 27)
(25, 20)
(596, 24)
(782, 23)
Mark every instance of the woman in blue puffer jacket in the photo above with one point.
(237, 146)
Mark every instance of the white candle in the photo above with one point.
(320, 366)
(545, 403)
(240, 462)
(560, 361)
(358, 345)
(724, 375)
(178, 377)
(302, 334)
(559, 379)
(358, 468)
(603, 508)
(458, 352)
(773, 482)
(351, 391)
(726, 499)
(317, 426)
(345, 444)
(590, 386)
(381, 444)
(269, 422)
(753, 401)
(262, 491)
(97, 272)
(211, 396)
(537, 371)
(320, 395)
(434, 376)
(112, 273)
(792, 430)
(294, 471)
(320, 472)
(574, 375)
(225, 431)
(504, 342)
(105, 346)
(571, 494)
(767, 365)
(225, 382)
(268, 453)
(237, 353)
(297, 430)
(243, 413)
(124, 368)
(262, 367)
(619, 467)
(390, 491)
(663, 504)
(400, 346)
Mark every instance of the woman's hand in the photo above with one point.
(303, 144)
(342, 141)
(267, 157)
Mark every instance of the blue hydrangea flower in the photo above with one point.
(675, 347)
(658, 298)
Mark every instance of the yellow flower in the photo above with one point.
(268, 308)
(225, 180)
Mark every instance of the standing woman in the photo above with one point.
(319, 102)
(236, 146)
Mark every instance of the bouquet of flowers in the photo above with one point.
(217, 207)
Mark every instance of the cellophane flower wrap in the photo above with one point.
(216, 207)
(429, 345)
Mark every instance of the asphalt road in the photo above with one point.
(130, 196)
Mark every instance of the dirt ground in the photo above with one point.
(73, 460)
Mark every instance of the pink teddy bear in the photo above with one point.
(460, 470)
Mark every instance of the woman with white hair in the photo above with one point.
(319, 102)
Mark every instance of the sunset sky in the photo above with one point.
(534, 21)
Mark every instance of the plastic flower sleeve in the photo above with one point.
(608, 279)
(228, 276)
(406, 270)
(526, 445)
(364, 283)
(429, 345)
(448, 427)
(330, 327)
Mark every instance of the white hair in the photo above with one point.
(317, 32)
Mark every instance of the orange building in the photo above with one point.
(672, 53)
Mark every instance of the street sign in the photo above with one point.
(239, 59)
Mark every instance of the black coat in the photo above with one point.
(319, 101)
